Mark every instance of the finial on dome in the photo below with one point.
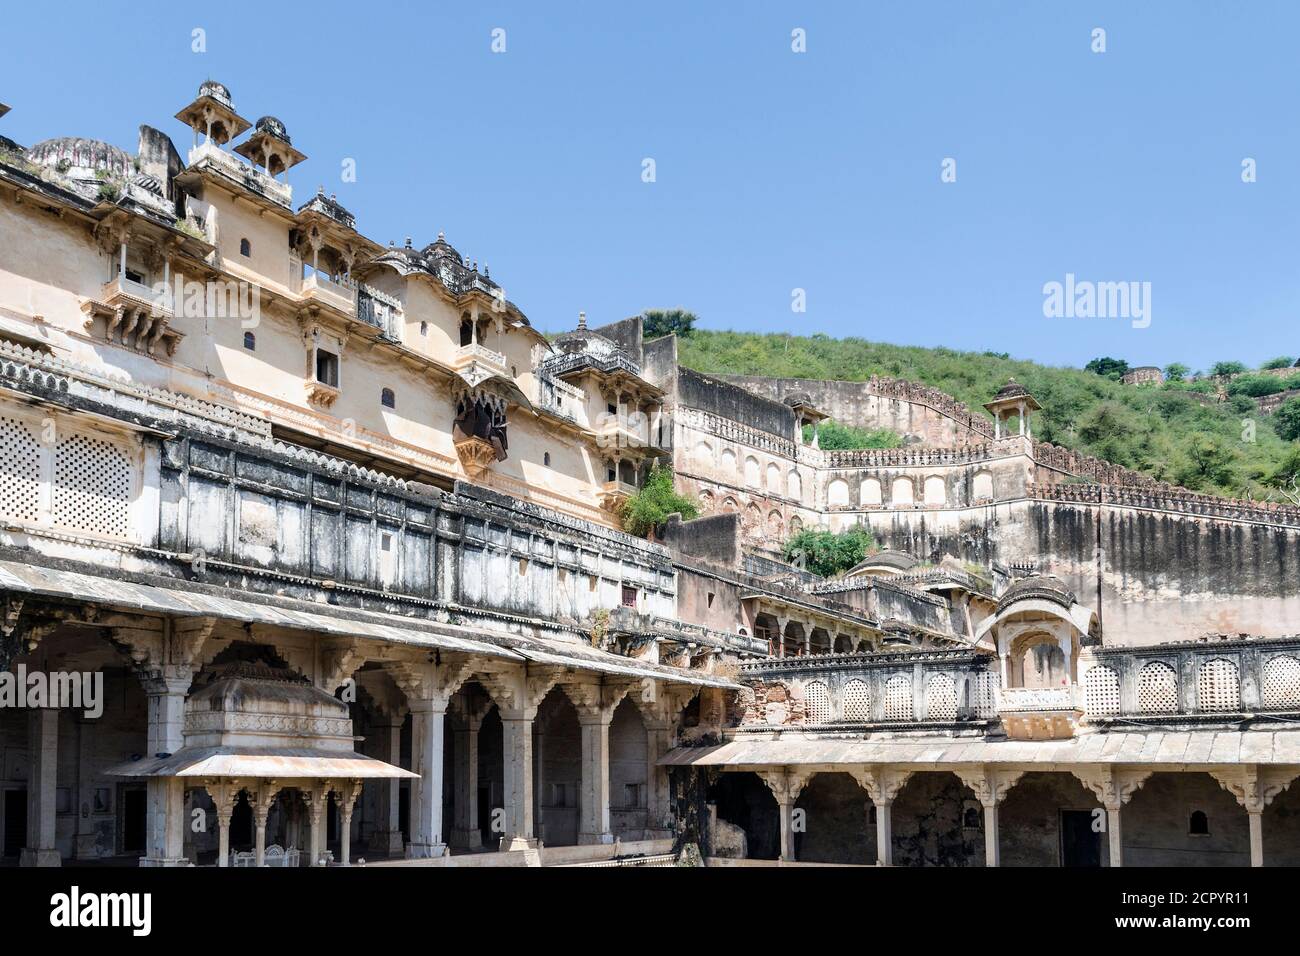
(408, 242)
(582, 320)
(441, 237)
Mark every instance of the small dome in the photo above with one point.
(1012, 389)
(73, 153)
(1043, 586)
(273, 127)
(795, 399)
(441, 249)
(218, 92)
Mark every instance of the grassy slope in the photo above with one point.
(1158, 430)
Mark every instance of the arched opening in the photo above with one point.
(628, 772)
(928, 823)
(1158, 824)
(903, 492)
(490, 779)
(1038, 661)
(837, 492)
(819, 640)
(1051, 819)
(870, 491)
(557, 756)
(744, 801)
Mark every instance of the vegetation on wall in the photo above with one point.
(656, 323)
(833, 436)
(1164, 431)
(657, 499)
(829, 553)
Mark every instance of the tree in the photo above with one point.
(656, 323)
(657, 499)
(1227, 368)
(1282, 361)
(1209, 462)
(1176, 372)
(1285, 479)
(832, 436)
(1111, 368)
(827, 553)
(1286, 420)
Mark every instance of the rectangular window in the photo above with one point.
(327, 368)
(629, 596)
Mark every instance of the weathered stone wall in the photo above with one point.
(839, 822)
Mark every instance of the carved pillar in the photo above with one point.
(387, 837)
(317, 799)
(595, 704)
(464, 829)
(261, 797)
(1255, 787)
(882, 785)
(991, 786)
(786, 785)
(347, 800)
(659, 738)
(43, 763)
(224, 793)
(1113, 788)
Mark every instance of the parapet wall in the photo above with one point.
(913, 410)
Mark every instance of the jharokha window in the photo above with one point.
(387, 399)
(327, 368)
(482, 416)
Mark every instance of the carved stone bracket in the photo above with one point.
(990, 786)
(881, 783)
(428, 681)
(787, 784)
(596, 701)
(476, 455)
(339, 660)
(1112, 787)
(1255, 786)
(166, 659)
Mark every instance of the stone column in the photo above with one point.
(786, 785)
(658, 742)
(165, 798)
(517, 742)
(387, 837)
(224, 794)
(595, 826)
(428, 721)
(539, 781)
(1255, 787)
(464, 830)
(347, 800)
(317, 800)
(1113, 788)
(990, 786)
(882, 785)
(42, 780)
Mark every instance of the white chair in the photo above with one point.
(275, 856)
(248, 859)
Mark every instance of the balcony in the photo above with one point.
(615, 494)
(614, 431)
(134, 295)
(472, 354)
(380, 310)
(209, 156)
(338, 295)
(1040, 713)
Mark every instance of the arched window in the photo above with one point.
(796, 525)
(1198, 824)
(1281, 682)
(728, 463)
(1101, 691)
(1218, 687)
(857, 700)
(903, 492)
(546, 459)
(387, 398)
(775, 526)
(1157, 689)
(794, 486)
(424, 328)
(245, 248)
(837, 492)
(871, 493)
(983, 486)
(706, 501)
(817, 702)
(774, 478)
(941, 697)
(898, 698)
(250, 341)
(703, 453)
(751, 472)
(935, 492)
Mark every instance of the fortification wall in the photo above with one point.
(921, 414)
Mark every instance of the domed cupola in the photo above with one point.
(270, 147)
(213, 115)
(84, 160)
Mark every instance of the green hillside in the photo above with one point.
(1160, 430)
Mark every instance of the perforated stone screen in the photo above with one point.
(20, 470)
(898, 698)
(92, 486)
(941, 697)
(1101, 691)
(984, 693)
(1157, 689)
(1218, 685)
(1282, 682)
(817, 702)
(857, 700)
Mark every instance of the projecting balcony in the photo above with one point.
(135, 295)
(218, 160)
(339, 295)
(616, 432)
(1040, 713)
(614, 494)
(474, 353)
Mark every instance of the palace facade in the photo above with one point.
(335, 532)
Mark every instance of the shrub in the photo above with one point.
(1286, 420)
(1227, 368)
(833, 436)
(657, 499)
(1256, 385)
(656, 323)
(828, 553)
(1282, 361)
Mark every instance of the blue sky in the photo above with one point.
(774, 170)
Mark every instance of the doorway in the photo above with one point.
(15, 822)
(134, 804)
(1080, 842)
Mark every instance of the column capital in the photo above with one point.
(1255, 786)
(881, 783)
(786, 784)
(427, 682)
(1112, 786)
(595, 702)
(990, 784)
